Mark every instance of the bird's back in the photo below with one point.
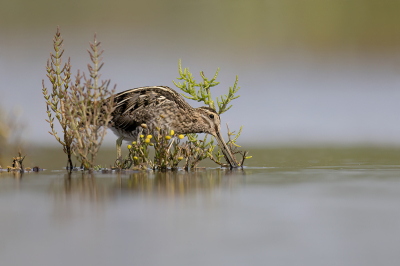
(146, 105)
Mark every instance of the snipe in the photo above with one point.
(163, 105)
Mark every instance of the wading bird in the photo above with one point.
(161, 105)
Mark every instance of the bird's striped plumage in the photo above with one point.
(164, 107)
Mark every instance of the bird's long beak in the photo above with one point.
(225, 150)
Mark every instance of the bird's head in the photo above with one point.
(209, 120)
(211, 124)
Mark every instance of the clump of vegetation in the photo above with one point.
(10, 134)
(17, 162)
(9, 127)
(88, 112)
(232, 136)
(201, 92)
(170, 150)
(167, 149)
(80, 106)
(198, 150)
(60, 77)
(195, 150)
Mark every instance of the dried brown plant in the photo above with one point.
(17, 162)
(11, 130)
(60, 77)
(88, 112)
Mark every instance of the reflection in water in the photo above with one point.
(174, 182)
(108, 219)
(17, 178)
(85, 186)
(98, 187)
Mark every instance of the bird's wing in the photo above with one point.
(165, 91)
(140, 105)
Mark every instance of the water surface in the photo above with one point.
(298, 212)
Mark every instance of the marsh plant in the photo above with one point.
(88, 113)
(11, 130)
(170, 149)
(201, 92)
(17, 162)
(196, 150)
(78, 106)
(59, 76)
(167, 150)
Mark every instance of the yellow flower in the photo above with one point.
(129, 147)
(151, 144)
(141, 136)
(167, 137)
(181, 136)
(180, 158)
(147, 140)
(135, 158)
(149, 136)
(172, 132)
(133, 142)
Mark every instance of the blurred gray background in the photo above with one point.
(311, 72)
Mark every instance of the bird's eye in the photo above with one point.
(211, 116)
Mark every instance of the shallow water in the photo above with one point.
(314, 207)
